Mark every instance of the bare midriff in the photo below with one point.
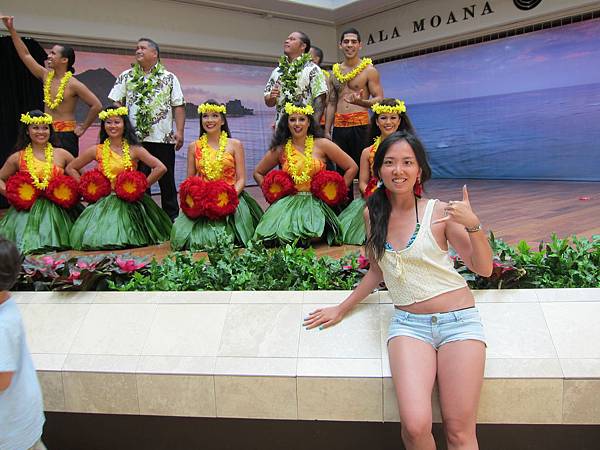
(448, 301)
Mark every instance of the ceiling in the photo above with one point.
(328, 12)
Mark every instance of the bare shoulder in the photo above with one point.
(236, 143)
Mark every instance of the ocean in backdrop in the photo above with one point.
(550, 134)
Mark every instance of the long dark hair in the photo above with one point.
(378, 203)
(128, 130)
(224, 127)
(283, 133)
(405, 123)
(23, 138)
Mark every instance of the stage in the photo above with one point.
(514, 210)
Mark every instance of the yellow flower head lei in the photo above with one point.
(290, 154)
(398, 108)
(211, 107)
(46, 119)
(293, 109)
(344, 78)
(46, 172)
(110, 112)
(106, 159)
(60, 93)
(213, 167)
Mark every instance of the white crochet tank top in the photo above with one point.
(422, 270)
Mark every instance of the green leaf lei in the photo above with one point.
(289, 77)
(144, 86)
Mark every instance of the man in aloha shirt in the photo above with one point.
(311, 87)
(153, 96)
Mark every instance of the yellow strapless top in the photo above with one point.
(38, 166)
(316, 166)
(228, 163)
(115, 162)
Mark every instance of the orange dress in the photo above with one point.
(46, 226)
(197, 234)
(115, 163)
(38, 166)
(228, 163)
(301, 217)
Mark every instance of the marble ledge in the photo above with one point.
(309, 297)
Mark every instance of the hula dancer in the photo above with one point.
(389, 116)
(61, 90)
(303, 191)
(207, 204)
(353, 88)
(120, 214)
(42, 198)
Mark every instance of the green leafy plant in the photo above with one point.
(253, 268)
(560, 263)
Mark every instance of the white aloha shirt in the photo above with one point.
(167, 95)
(311, 84)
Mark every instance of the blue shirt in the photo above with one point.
(21, 406)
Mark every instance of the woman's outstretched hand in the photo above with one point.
(323, 317)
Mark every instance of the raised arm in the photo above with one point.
(90, 99)
(157, 168)
(463, 231)
(36, 69)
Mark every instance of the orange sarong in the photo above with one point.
(62, 126)
(354, 119)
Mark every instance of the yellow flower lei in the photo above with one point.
(364, 62)
(46, 119)
(213, 169)
(399, 108)
(120, 111)
(374, 148)
(290, 109)
(106, 158)
(210, 107)
(49, 156)
(53, 104)
(290, 154)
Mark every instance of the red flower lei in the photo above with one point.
(329, 186)
(277, 184)
(131, 185)
(93, 185)
(371, 187)
(20, 191)
(63, 190)
(220, 199)
(191, 193)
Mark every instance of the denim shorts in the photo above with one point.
(439, 328)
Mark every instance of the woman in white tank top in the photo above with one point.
(436, 330)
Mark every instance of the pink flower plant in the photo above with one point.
(130, 265)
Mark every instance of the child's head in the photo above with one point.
(10, 264)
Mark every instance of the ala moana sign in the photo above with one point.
(469, 12)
